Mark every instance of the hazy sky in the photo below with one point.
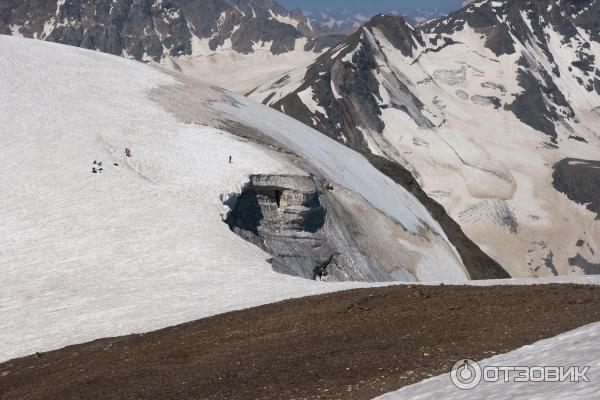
(375, 6)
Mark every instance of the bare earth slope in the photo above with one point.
(348, 345)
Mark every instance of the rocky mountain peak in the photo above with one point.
(507, 21)
(398, 32)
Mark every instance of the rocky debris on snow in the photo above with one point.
(549, 263)
(589, 268)
(493, 85)
(451, 77)
(578, 138)
(487, 101)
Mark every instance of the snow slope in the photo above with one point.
(235, 71)
(576, 348)
(137, 247)
(142, 245)
(491, 172)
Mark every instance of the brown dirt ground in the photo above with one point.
(349, 345)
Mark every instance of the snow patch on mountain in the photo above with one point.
(241, 73)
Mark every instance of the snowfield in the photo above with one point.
(141, 245)
(235, 71)
(576, 348)
(137, 247)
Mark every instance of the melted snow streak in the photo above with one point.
(575, 348)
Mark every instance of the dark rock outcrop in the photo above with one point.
(589, 268)
(294, 220)
(531, 107)
(343, 83)
(580, 181)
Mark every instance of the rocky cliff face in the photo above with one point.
(292, 218)
(153, 29)
(310, 233)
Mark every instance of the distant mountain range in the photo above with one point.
(347, 18)
(151, 30)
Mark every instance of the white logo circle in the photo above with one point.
(466, 374)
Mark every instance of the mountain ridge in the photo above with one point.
(522, 70)
(153, 29)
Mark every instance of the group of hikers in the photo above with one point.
(98, 168)
(97, 165)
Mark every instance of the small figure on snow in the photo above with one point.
(230, 160)
(127, 152)
(94, 171)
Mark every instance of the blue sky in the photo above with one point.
(371, 7)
